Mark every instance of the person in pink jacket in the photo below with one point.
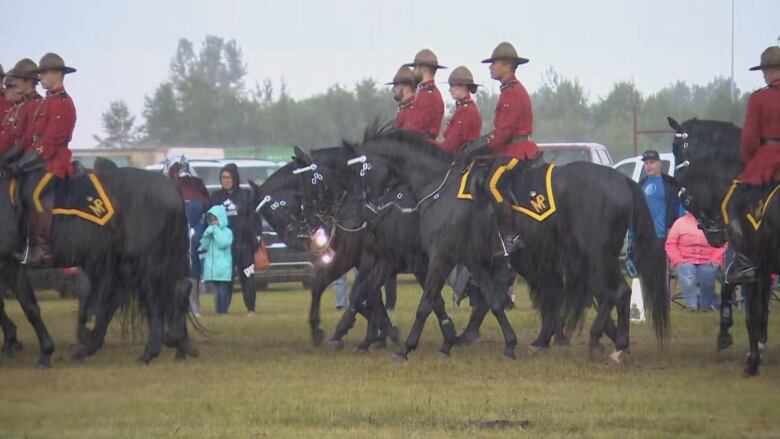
(695, 261)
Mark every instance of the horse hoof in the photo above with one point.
(395, 335)
(761, 347)
(336, 345)
(44, 365)
(400, 357)
(359, 350)
(562, 341)
(467, 339)
(725, 341)
(318, 337)
(80, 356)
(509, 356)
(443, 353)
(750, 370)
(596, 352)
(533, 350)
(616, 358)
(380, 344)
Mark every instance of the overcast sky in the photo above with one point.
(122, 50)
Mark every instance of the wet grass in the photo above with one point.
(260, 377)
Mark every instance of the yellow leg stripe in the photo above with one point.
(497, 176)
(725, 203)
(462, 190)
(12, 191)
(39, 188)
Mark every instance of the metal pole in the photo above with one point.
(733, 87)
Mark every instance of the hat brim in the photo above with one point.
(400, 82)
(644, 159)
(762, 67)
(462, 83)
(435, 66)
(65, 70)
(518, 60)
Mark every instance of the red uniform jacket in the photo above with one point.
(17, 123)
(402, 120)
(762, 121)
(5, 105)
(513, 118)
(464, 126)
(53, 129)
(426, 111)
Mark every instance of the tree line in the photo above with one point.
(205, 102)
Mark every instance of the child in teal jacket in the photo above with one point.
(218, 263)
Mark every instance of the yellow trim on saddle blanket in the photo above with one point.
(760, 210)
(539, 203)
(102, 209)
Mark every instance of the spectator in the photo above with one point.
(660, 193)
(196, 200)
(238, 205)
(218, 264)
(695, 261)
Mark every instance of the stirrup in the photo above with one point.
(743, 276)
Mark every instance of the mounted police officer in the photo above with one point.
(427, 109)
(465, 124)
(17, 126)
(404, 85)
(53, 121)
(760, 151)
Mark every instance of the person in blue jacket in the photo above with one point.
(218, 263)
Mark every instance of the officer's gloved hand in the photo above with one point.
(28, 162)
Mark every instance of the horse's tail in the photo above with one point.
(650, 259)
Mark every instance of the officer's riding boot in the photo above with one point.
(510, 240)
(40, 255)
(743, 269)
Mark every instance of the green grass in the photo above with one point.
(262, 378)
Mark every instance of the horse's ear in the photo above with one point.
(255, 188)
(674, 124)
(300, 155)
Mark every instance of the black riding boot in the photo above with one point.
(743, 269)
(40, 255)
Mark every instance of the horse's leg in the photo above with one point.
(356, 295)
(478, 312)
(10, 342)
(446, 325)
(497, 296)
(376, 311)
(726, 315)
(156, 324)
(550, 310)
(26, 298)
(753, 313)
(318, 286)
(438, 270)
(623, 306)
(597, 327)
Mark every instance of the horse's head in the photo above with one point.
(707, 157)
(278, 202)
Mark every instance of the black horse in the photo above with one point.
(707, 153)
(455, 231)
(281, 205)
(141, 252)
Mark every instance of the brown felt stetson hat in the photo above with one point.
(403, 76)
(52, 61)
(461, 75)
(507, 52)
(425, 57)
(769, 58)
(25, 69)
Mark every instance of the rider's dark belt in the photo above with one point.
(770, 141)
(519, 139)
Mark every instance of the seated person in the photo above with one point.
(695, 261)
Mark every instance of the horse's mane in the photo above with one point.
(720, 137)
(401, 142)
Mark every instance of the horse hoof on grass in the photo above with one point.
(359, 350)
(616, 358)
(318, 337)
(533, 350)
(725, 341)
(509, 356)
(443, 353)
(336, 345)
(380, 344)
(596, 352)
(400, 357)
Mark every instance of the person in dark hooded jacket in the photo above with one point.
(238, 205)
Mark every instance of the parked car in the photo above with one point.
(633, 168)
(287, 265)
(563, 153)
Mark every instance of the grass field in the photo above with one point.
(260, 377)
